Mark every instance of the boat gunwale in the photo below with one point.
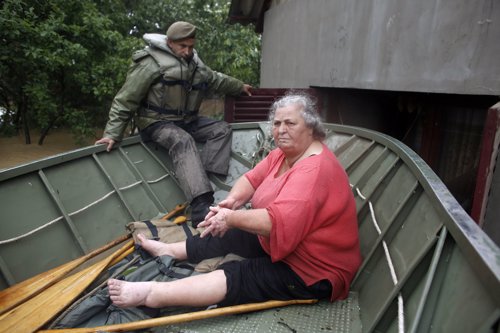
(42, 163)
(478, 248)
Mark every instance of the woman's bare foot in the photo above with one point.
(155, 248)
(128, 294)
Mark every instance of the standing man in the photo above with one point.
(164, 88)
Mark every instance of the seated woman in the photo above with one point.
(300, 239)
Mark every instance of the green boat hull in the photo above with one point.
(427, 266)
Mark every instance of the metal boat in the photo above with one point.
(427, 266)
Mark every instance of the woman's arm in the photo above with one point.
(226, 214)
(239, 195)
(255, 221)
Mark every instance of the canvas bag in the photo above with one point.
(166, 231)
(96, 309)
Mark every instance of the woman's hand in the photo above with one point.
(215, 223)
(229, 203)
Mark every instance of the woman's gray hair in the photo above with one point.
(309, 112)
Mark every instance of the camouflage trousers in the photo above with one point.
(191, 164)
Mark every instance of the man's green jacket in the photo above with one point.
(162, 86)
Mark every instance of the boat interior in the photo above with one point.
(427, 267)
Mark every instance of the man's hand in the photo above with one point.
(247, 89)
(107, 141)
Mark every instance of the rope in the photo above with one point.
(359, 193)
(401, 320)
(104, 197)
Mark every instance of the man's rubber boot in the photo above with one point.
(200, 207)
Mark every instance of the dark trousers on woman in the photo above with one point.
(256, 278)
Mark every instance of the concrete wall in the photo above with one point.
(443, 46)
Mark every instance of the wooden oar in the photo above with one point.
(177, 210)
(18, 293)
(35, 312)
(122, 256)
(185, 317)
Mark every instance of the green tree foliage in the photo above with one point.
(231, 49)
(62, 61)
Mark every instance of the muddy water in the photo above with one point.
(14, 151)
